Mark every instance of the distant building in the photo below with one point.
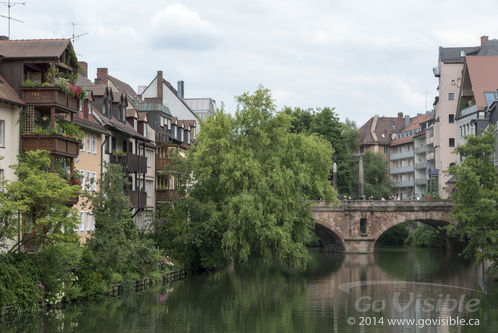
(376, 133)
(202, 107)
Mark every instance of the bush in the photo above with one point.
(19, 283)
(425, 236)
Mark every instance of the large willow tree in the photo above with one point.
(250, 187)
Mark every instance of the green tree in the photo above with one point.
(476, 197)
(250, 185)
(375, 176)
(40, 197)
(344, 138)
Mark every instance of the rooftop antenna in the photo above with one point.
(10, 4)
(76, 37)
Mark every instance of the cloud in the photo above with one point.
(177, 26)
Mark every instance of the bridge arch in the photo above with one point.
(331, 241)
(436, 224)
(358, 224)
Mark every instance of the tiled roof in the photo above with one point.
(90, 124)
(33, 48)
(131, 113)
(8, 94)
(401, 141)
(384, 127)
(489, 49)
(483, 72)
(454, 55)
(126, 88)
(125, 128)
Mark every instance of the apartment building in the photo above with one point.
(377, 133)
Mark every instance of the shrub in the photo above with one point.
(425, 236)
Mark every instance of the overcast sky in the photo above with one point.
(362, 57)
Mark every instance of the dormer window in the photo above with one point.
(145, 129)
(134, 124)
(123, 114)
(90, 106)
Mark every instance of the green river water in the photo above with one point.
(338, 293)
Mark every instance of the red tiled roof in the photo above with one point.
(483, 71)
(8, 94)
(33, 48)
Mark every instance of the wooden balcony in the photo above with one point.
(130, 162)
(162, 163)
(54, 143)
(138, 199)
(47, 97)
(167, 195)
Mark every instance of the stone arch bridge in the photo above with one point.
(354, 226)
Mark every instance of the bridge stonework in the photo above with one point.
(354, 226)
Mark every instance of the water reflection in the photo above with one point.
(256, 297)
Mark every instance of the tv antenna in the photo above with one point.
(10, 4)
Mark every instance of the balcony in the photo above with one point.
(420, 149)
(48, 97)
(130, 162)
(56, 144)
(405, 183)
(162, 163)
(420, 181)
(167, 195)
(399, 156)
(420, 165)
(138, 199)
(404, 169)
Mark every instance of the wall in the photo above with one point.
(443, 129)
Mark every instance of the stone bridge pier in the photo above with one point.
(354, 226)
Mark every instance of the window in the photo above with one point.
(462, 53)
(452, 142)
(94, 181)
(88, 146)
(145, 129)
(451, 118)
(171, 184)
(363, 226)
(94, 144)
(82, 174)
(2, 133)
(88, 179)
(82, 145)
(90, 107)
(148, 186)
(148, 156)
(135, 127)
(386, 150)
(451, 96)
(89, 221)
(82, 222)
(139, 221)
(162, 121)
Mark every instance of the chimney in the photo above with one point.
(101, 76)
(4, 38)
(407, 121)
(400, 115)
(180, 89)
(84, 67)
(160, 86)
(484, 40)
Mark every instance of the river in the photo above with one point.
(338, 293)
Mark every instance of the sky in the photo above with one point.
(361, 57)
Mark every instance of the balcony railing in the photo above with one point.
(420, 165)
(406, 183)
(130, 162)
(56, 144)
(404, 169)
(138, 199)
(399, 156)
(167, 195)
(420, 149)
(49, 97)
(420, 181)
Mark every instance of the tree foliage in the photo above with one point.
(41, 197)
(344, 138)
(250, 185)
(476, 196)
(375, 175)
